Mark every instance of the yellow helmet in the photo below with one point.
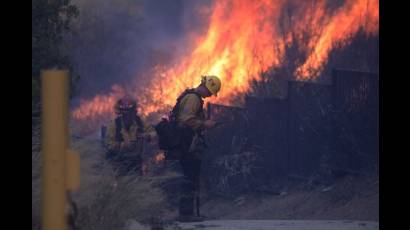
(212, 83)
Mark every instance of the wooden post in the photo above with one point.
(60, 165)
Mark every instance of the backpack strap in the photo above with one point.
(140, 125)
(118, 127)
(174, 111)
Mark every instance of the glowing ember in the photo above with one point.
(245, 38)
(160, 157)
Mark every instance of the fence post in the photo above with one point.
(288, 128)
(208, 110)
(60, 165)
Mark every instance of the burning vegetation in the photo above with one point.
(243, 39)
(312, 135)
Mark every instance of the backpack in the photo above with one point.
(175, 139)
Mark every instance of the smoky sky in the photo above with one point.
(162, 20)
(119, 41)
(116, 41)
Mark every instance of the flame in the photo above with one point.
(239, 44)
(99, 105)
(245, 38)
(339, 29)
(160, 157)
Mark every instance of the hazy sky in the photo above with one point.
(117, 40)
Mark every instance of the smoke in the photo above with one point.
(118, 42)
(115, 42)
(154, 49)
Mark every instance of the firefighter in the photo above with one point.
(125, 137)
(189, 112)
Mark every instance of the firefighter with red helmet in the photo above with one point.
(125, 137)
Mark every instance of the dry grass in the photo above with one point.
(350, 198)
(35, 174)
(103, 200)
(236, 172)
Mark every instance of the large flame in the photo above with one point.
(336, 29)
(245, 38)
(239, 44)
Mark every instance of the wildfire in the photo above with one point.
(100, 105)
(245, 38)
(338, 29)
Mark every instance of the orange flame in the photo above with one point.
(239, 44)
(99, 105)
(339, 28)
(245, 38)
(160, 157)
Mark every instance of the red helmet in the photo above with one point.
(125, 104)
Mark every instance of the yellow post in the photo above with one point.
(59, 163)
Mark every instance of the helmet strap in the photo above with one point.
(203, 79)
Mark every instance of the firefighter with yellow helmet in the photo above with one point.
(125, 137)
(189, 112)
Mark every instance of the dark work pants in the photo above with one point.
(191, 169)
